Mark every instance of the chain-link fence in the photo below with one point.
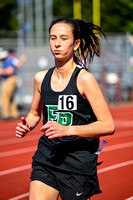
(113, 71)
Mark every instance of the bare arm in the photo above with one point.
(92, 92)
(32, 119)
(8, 71)
(21, 61)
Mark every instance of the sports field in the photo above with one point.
(115, 174)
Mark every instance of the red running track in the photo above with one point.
(115, 174)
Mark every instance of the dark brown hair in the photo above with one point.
(88, 33)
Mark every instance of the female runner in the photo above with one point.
(75, 115)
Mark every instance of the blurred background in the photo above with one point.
(24, 27)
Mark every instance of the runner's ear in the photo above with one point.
(76, 44)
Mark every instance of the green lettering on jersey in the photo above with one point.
(52, 113)
(64, 118)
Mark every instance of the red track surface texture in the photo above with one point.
(115, 174)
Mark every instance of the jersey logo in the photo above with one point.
(79, 194)
(60, 112)
(63, 118)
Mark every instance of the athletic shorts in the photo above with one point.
(70, 185)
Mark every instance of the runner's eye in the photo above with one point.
(52, 38)
(64, 38)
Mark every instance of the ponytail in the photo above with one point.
(90, 42)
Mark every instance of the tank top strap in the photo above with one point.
(73, 80)
(47, 77)
(76, 71)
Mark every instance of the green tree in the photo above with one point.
(86, 10)
(62, 8)
(8, 15)
(117, 16)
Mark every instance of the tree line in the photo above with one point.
(116, 15)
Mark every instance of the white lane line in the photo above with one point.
(19, 140)
(14, 170)
(20, 196)
(27, 194)
(25, 167)
(29, 149)
(16, 152)
(32, 149)
(130, 198)
(124, 123)
(120, 134)
(118, 146)
(123, 164)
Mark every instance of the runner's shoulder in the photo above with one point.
(86, 77)
(39, 76)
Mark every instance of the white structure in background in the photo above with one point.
(112, 78)
(43, 63)
(3, 54)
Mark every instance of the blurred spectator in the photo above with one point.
(8, 73)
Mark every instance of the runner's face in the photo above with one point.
(62, 42)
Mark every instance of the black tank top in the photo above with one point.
(68, 107)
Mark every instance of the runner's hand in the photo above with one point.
(22, 128)
(53, 129)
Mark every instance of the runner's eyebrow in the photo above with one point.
(63, 35)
